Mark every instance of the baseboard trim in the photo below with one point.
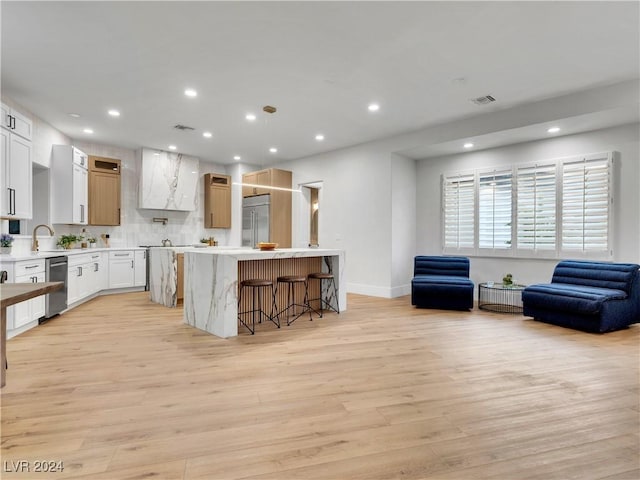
(374, 291)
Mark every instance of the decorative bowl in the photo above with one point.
(267, 245)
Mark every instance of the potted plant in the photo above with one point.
(68, 241)
(507, 280)
(6, 241)
(204, 240)
(92, 242)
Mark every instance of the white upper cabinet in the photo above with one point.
(16, 122)
(69, 186)
(168, 181)
(15, 165)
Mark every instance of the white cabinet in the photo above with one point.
(140, 270)
(121, 269)
(86, 275)
(15, 169)
(16, 122)
(69, 186)
(28, 311)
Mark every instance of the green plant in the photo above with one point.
(204, 240)
(66, 241)
(91, 239)
(507, 279)
(6, 240)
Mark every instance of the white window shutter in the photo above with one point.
(458, 212)
(586, 204)
(536, 210)
(494, 210)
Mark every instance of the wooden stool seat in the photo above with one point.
(256, 282)
(321, 276)
(292, 279)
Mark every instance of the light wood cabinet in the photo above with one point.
(217, 201)
(280, 205)
(104, 191)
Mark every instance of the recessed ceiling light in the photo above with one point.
(250, 116)
(114, 113)
(554, 130)
(88, 130)
(207, 134)
(468, 145)
(172, 147)
(319, 137)
(190, 92)
(374, 107)
(237, 157)
(74, 115)
(273, 150)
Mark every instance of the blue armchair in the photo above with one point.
(590, 296)
(441, 282)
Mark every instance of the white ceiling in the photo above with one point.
(319, 63)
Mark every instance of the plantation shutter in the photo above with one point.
(586, 194)
(494, 213)
(459, 218)
(536, 210)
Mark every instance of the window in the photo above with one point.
(555, 208)
(536, 213)
(586, 204)
(459, 214)
(494, 210)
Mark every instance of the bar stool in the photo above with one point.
(291, 281)
(257, 285)
(325, 298)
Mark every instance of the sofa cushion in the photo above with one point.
(617, 276)
(449, 266)
(570, 297)
(441, 280)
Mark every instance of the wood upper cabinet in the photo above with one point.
(104, 191)
(280, 205)
(217, 201)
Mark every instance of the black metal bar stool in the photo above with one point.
(291, 281)
(325, 298)
(257, 285)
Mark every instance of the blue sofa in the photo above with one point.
(589, 296)
(441, 282)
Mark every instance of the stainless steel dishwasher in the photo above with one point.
(56, 271)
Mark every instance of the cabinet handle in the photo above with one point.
(12, 201)
(34, 279)
(120, 254)
(81, 213)
(31, 266)
(131, 263)
(8, 121)
(96, 267)
(12, 122)
(118, 222)
(79, 271)
(13, 193)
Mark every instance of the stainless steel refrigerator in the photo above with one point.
(255, 220)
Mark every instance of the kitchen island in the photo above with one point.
(212, 276)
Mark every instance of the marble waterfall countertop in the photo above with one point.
(211, 282)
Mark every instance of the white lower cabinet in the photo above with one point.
(121, 269)
(28, 311)
(86, 276)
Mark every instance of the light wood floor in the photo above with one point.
(120, 389)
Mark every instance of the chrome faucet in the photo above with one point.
(34, 240)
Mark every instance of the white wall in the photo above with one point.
(403, 225)
(355, 211)
(624, 139)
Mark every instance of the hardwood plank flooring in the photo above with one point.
(120, 388)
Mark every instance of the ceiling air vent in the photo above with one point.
(485, 100)
(182, 127)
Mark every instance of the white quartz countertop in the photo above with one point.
(57, 253)
(254, 254)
